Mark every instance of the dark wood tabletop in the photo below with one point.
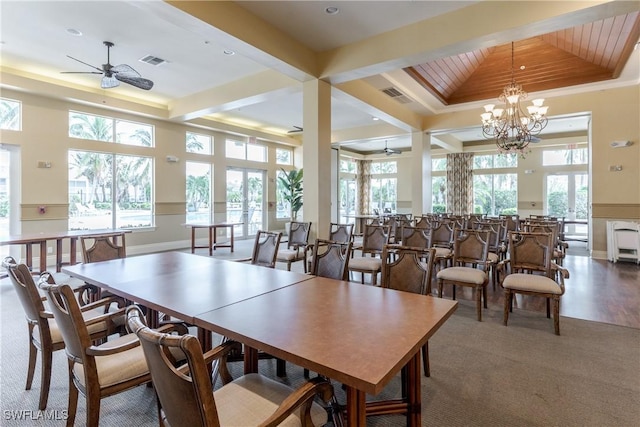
(358, 335)
(182, 284)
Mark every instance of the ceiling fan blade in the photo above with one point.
(125, 70)
(295, 129)
(138, 82)
(89, 65)
(109, 82)
(80, 72)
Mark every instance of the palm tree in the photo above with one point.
(9, 115)
(197, 190)
(291, 184)
(91, 127)
(193, 144)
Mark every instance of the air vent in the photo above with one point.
(397, 95)
(153, 60)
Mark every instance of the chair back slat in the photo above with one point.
(530, 251)
(407, 268)
(470, 247)
(331, 259)
(374, 239)
(299, 234)
(265, 248)
(25, 287)
(185, 399)
(340, 232)
(103, 248)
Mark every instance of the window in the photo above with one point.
(243, 151)
(109, 191)
(100, 128)
(439, 165)
(197, 143)
(439, 194)
(384, 193)
(283, 207)
(283, 156)
(495, 194)
(198, 192)
(492, 161)
(384, 189)
(384, 167)
(348, 166)
(571, 156)
(10, 114)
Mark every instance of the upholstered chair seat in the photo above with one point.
(532, 282)
(244, 402)
(463, 274)
(365, 263)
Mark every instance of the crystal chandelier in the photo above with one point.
(511, 127)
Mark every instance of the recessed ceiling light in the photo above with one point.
(228, 52)
(332, 10)
(74, 32)
(375, 118)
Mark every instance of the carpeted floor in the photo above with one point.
(483, 374)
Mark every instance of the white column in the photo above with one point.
(421, 173)
(317, 156)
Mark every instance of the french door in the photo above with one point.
(245, 200)
(568, 197)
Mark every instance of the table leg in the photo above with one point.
(414, 395)
(29, 255)
(152, 318)
(58, 255)
(193, 239)
(232, 227)
(250, 360)
(356, 407)
(73, 245)
(43, 256)
(215, 237)
(211, 240)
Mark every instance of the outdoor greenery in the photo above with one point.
(9, 114)
(198, 191)
(291, 189)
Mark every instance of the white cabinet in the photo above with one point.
(623, 241)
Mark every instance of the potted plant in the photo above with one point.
(291, 183)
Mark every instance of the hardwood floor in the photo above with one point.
(596, 290)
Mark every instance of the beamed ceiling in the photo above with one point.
(588, 53)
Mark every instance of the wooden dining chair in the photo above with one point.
(96, 371)
(331, 259)
(374, 239)
(529, 270)
(100, 248)
(409, 269)
(265, 249)
(185, 393)
(297, 245)
(44, 333)
(469, 266)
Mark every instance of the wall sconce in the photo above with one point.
(172, 159)
(615, 168)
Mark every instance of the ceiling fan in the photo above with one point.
(389, 151)
(295, 129)
(113, 75)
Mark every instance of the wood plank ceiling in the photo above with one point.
(585, 54)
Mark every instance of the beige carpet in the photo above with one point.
(483, 374)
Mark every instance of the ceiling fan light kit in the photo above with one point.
(113, 75)
(512, 127)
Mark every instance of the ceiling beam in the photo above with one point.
(461, 31)
(253, 37)
(237, 94)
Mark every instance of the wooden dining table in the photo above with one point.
(182, 285)
(41, 239)
(358, 335)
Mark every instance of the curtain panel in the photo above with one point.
(460, 183)
(363, 180)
